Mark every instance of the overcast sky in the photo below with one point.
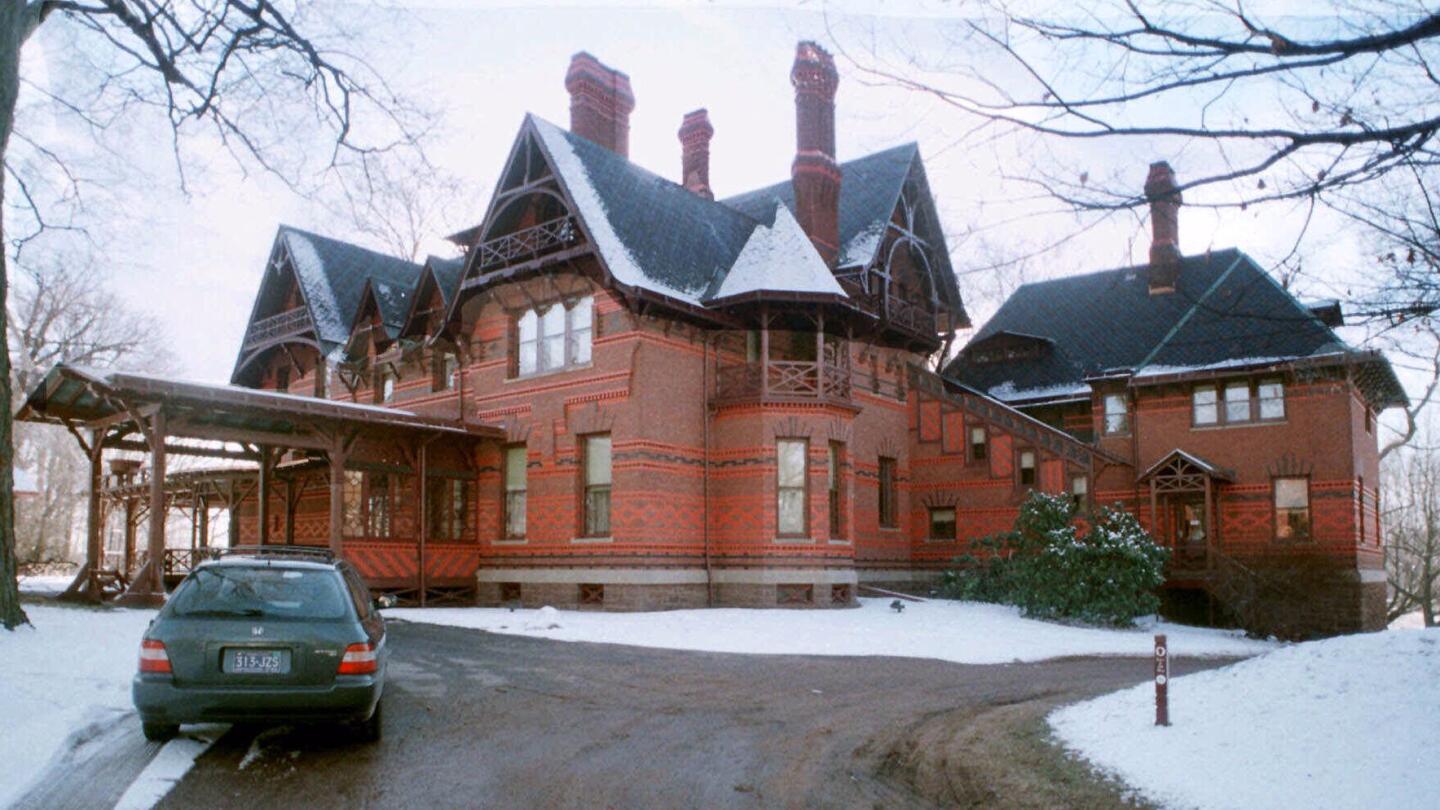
(195, 261)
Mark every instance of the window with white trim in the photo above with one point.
(554, 337)
(1205, 405)
(1117, 415)
(1272, 398)
(1237, 402)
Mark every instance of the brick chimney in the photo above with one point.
(814, 174)
(1165, 200)
(600, 103)
(695, 134)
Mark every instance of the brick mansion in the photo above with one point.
(621, 392)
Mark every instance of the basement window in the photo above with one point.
(592, 594)
(794, 594)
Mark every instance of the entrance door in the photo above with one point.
(1192, 530)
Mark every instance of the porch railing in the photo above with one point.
(868, 287)
(289, 323)
(783, 380)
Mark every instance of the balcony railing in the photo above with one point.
(783, 380)
(867, 287)
(530, 243)
(287, 324)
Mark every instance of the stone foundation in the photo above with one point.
(622, 589)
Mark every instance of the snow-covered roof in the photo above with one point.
(778, 258)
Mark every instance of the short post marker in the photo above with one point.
(1162, 681)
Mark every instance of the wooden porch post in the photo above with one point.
(94, 542)
(204, 507)
(232, 526)
(132, 524)
(262, 512)
(424, 521)
(337, 496)
(290, 511)
(1154, 510)
(1209, 525)
(156, 586)
(764, 351)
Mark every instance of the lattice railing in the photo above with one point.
(783, 379)
(528, 243)
(289, 323)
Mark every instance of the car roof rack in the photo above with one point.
(319, 553)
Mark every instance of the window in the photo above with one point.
(1027, 468)
(1292, 508)
(1361, 521)
(446, 370)
(1272, 399)
(385, 385)
(377, 504)
(516, 474)
(1080, 491)
(1117, 420)
(1205, 405)
(790, 473)
(834, 465)
(942, 523)
(597, 485)
(1237, 402)
(556, 337)
(352, 505)
(794, 593)
(887, 493)
(448, 501)
(282, 378)
(591, 594)
(978, 443)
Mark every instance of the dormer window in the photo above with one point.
(385, 385)
(554, 337)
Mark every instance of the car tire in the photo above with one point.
(159, 732)
(372, 728)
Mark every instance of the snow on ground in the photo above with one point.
(963, 632)
(1349, 722)
(46, 585)
(70, 670)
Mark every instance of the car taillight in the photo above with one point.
(153, 657)
(359, 659)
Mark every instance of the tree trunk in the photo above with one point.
(17, 19)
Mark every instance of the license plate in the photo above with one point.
(257, 662)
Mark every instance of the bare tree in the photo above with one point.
(1412, 535)
(400, 205)
(1288, 106)
(263, 79)
(64, 311)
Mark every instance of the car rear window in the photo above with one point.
(272, 593)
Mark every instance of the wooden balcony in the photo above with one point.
(868, 288)
(783, 381)
(529, 243)
(276, 328)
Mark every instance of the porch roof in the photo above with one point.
(79, 396)
(1199, 464)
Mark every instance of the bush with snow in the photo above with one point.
(1050, 569)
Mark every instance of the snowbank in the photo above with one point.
(71, 669)
(963, 632)
(45, 584)
(1349, 722)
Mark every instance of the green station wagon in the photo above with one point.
(273, 636)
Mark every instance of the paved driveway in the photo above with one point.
(481, 720)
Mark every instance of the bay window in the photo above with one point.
(790, 490)
(597, 477)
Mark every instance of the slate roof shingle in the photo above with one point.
(1226, 311)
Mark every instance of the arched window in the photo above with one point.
(553, 337)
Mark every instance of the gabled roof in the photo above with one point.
(777, 258)
(1212, 470)
(1226, 311)
(333, 276)
(651, 233)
